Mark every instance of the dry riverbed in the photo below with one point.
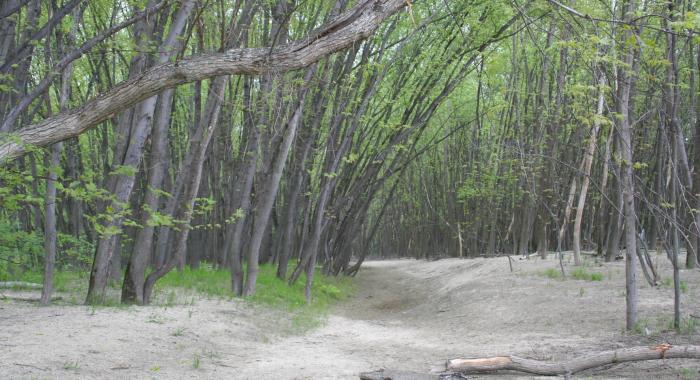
(405, 314)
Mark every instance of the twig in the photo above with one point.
(31, 366)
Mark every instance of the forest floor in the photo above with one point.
(405, 314)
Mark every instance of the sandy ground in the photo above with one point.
(405, 314)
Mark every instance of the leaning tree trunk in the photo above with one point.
(696, 183)
(587, 164)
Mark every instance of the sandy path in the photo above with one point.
(406, 314)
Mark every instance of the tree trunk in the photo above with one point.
(50, 225)
(50, 233)
(626, 76)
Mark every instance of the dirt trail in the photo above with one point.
(405, 314)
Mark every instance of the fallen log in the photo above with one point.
(388, 374)
(570, 367)
(19, 285)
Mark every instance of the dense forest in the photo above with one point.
(140, 137)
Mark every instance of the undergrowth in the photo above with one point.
(63, 281)
(668, 283)
(659, 326)
(270, 291)
(583, 274)
(577, 274)
(211, 282)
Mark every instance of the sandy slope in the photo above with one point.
(406, 314)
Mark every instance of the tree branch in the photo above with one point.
(350, 27)
(14, 114)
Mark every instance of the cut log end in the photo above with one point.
(480, 364)
(387, 374)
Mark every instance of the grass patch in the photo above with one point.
(270, 291)
(664, 325)
(552, 273)
(196, 362)
(688, 373)
(668, 283)
(204, 280)
(641, 327)
(688, 326)
(325, 290)
(583, 274)
(180, 331)
(71, 366)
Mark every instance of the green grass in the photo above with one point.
(583, 274)
(269, 289)
(668, 283)
(552, 273)
(196, 362)
(688, 326)
(661, 326)
(205, 280)
(641, 327)
(74, 366)
(688, 374)
(578, 273)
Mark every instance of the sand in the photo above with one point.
(405, 314)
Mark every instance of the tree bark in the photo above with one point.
(626, 77)
(50, 230)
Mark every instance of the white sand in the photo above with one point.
(405, 314)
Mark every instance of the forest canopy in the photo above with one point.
(141, 136)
